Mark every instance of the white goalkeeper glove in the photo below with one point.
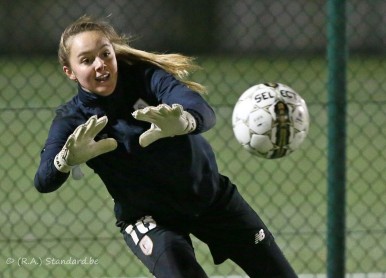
(81, 146)
(165, 121)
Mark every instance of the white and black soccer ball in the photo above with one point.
(270, 120)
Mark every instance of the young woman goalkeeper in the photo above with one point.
(137, 122)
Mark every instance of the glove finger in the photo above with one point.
(104, 146)
(150, 135)
(70, 142)
(154, 114)
(91, 119)
(96, 126)
(148, 115)
(140, 115)
(82, 129)
(153, 110)
(163, 109)
(177, 109)
(90, 126)
(79, 132)
(177, 106)
(148, 138)
(137, 114)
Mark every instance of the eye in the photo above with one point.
(85, 61)
(106, 53)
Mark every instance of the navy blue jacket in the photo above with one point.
(174, 177)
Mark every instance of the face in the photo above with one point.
(92, 63)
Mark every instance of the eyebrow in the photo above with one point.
(87, 52)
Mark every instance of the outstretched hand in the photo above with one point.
(166, 121)
(81, 146)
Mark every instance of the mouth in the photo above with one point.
(103, 77)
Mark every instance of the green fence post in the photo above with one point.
(336, 55)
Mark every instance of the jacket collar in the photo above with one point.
(92, 99)
(88, 98)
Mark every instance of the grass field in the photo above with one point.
(76, 222)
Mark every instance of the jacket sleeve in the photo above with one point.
(169, 90)
(47, 177)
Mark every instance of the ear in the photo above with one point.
(70, 74)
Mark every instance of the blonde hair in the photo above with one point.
(180, 66)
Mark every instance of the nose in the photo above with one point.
(99, 63)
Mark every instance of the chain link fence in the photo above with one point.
(71, 232)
